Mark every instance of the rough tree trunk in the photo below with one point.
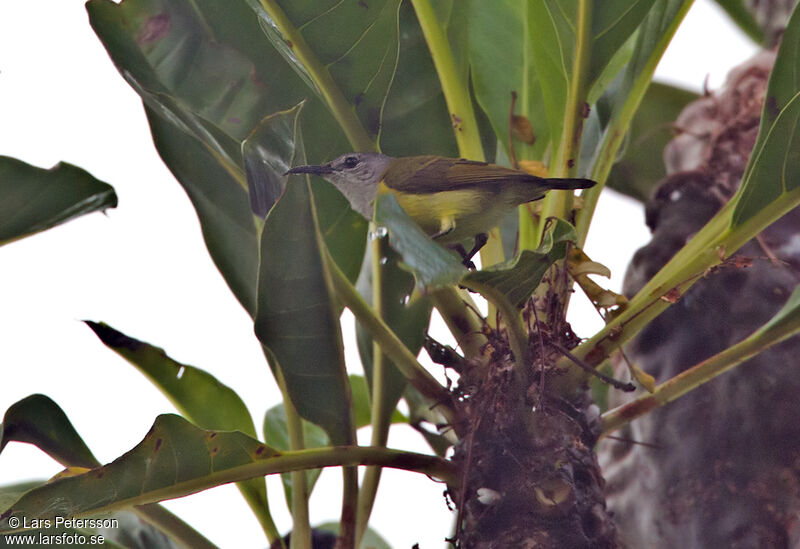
(721, 467)
(530, 473)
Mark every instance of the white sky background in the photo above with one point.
(144, 269)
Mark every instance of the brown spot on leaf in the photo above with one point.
(772, 107)
(212, 435)
(671, 296)
(363, 4)
(522, 129)
(154, 28)
(290, 44)
(358, 99)
(260, 450)
(158, 444)
(100, 473)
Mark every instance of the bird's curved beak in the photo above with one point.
(314, 170)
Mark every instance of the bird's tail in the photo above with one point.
(570, 183)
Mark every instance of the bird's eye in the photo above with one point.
(350, 162)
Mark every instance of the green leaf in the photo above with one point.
(613, 22)
(415, 99)
(774, 166)
(359, 58)
(497, 44)
(191, 389)
(740, 13)
(129, 527)
(39, 421)
(361, 409)
(276, 435)
(208, 77)
(408, 320)
(268, 154)
(432, 265)
(276, 430)
(517, 279)
(787, 320)
(641, 165)
(176, 459)
(554, 45)
(34, 199)
(296, 319)
(128, 532)
(221, 203)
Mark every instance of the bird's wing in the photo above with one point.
(429, 174)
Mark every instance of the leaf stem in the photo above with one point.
(301, 520)
(710, 246)
(378, 418)
(614, 133)
(699, 374)
(340, 108)
(459, 105)
(390, 344)
(517, 336)
(565, 163)
(456, 92)
(461, 316)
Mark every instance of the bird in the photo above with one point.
(451, 199)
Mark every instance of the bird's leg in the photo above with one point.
(480, 241)
(466, 259)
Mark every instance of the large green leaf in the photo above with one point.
(355, 43)
(774, 166)
(554, 43)
(641, 164)
(613, 22)
(176, 459)
(190, 389)
(269, 152)
(276, 434)
(296, 319)
(407, 319)
(34, 199)
(501, 65)
(221, 203)
(744, 18)
(415, 119)
(128, 531)
(39, 421)
(208, 76)
(432, 265)
(517, 278)
(276, 430)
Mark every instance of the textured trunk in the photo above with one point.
(530, 474)
(721, 466)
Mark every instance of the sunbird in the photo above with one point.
(451, 199)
